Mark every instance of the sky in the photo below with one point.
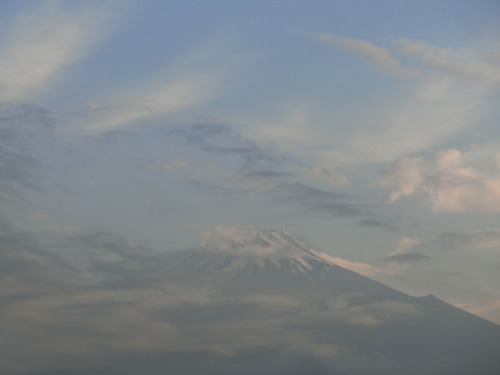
(368, 130)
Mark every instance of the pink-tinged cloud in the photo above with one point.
(448, 184)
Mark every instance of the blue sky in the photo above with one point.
(367, 129)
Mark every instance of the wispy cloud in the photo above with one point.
(378, 57)
(457, 64)
(448, 183)
(366, 269)
(42, 43)
(483, 239)
(444, 101)
(170, 96)
(187, 83)
(445, 60)
(318, 173)
(404, 253)
(221, 139)
(478, 308)
(437, 109)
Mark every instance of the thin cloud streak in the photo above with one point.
(482, 239)
(140, 104)
(442, 60)
(378, 57)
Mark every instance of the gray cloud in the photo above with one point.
(379, 223)
(24, 131)
(410, 257)
(219, 139)
(483, 239)
(332, 204)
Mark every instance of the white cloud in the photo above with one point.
(378, 57)
(448, 183)
(404, 246)
(403, 254)
(367, 269)
(41, 44)
(234, 239)
(445, 60)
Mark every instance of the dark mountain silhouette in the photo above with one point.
(255, 302)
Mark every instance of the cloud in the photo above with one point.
(173, 166)
(403, 253)
(444, 60)
(333, 179)
(442, 103)
(173, 95)
(478, 308)
(40, 44)
(378, 57)
(437, 109)
(484, 239)
(234, 239)
(449, 184)
(397, 260)
(314, 201)
(366, 269)
(264, 167)
(185, 84)
(252, 242)
(266, 180)
(220, 139)
(318, 200)
(293, 127)
(24, 131)
(481, 67)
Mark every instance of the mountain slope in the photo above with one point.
(245, 302)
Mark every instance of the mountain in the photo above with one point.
(279, 307)
(245, 302)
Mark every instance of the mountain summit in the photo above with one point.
(258, 251)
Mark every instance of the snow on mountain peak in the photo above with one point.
(262, 246)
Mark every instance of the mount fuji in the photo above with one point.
(280, 307)
(246, 301)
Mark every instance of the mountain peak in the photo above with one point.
(226, 248)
